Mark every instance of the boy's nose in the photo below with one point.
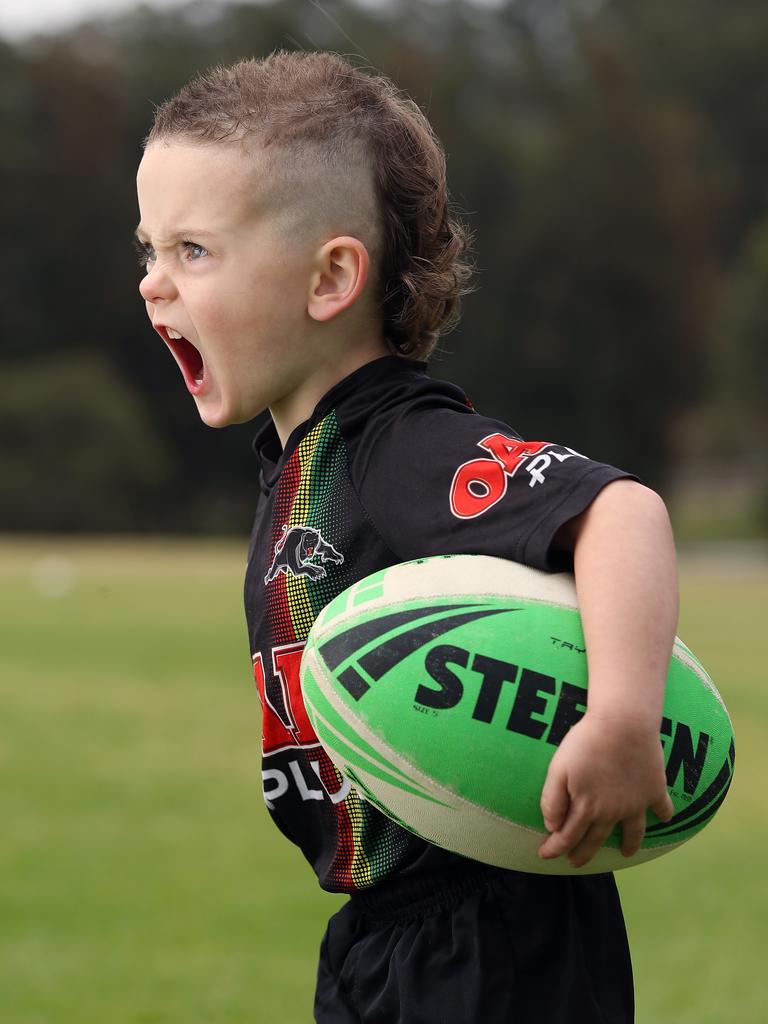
(156, 286)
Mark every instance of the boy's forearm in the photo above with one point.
(609, 768)
(626, 581)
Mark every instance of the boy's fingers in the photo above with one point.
(554, 800)
(633, 830)
(591, 843)
(568, 837)
(664, 808)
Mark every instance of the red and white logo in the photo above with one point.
(284, 722)
(478, 484)
(286, 727)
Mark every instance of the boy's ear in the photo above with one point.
(338, 277)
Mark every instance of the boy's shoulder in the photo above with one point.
(394, 403)
(436, 477)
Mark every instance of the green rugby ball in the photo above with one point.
(442, 687)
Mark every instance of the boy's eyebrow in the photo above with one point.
(177, 236)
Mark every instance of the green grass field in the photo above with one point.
(140, 878)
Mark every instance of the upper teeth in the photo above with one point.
(173, 334)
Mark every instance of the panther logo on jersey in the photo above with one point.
(294, 550)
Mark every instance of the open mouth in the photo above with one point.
(189, 360)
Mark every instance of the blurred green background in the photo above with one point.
(609, 156)
(611, 159)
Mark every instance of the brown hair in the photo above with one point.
(293, 99)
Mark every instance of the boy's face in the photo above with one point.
(222, 274)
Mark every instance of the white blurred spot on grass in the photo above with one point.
(55, 576)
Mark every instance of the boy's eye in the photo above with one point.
(194, 250)
(145, 253)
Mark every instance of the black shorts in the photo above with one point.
(478, 946)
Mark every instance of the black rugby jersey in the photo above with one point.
(392, 465)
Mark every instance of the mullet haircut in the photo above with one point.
(318, 99)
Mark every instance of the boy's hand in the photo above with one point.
(607, 770)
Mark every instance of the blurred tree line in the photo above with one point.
(610, 157)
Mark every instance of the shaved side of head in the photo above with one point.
(317, 196)
(339, 151)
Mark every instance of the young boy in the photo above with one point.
(301, 257)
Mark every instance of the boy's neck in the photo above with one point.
(300, 404)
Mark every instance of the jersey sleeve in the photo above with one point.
(446, 482)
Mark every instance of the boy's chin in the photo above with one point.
(218, 414)
(214, 414)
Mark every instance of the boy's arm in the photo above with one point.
(609, 768)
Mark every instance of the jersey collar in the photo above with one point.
(368, 380)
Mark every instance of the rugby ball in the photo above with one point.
(442, 687)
